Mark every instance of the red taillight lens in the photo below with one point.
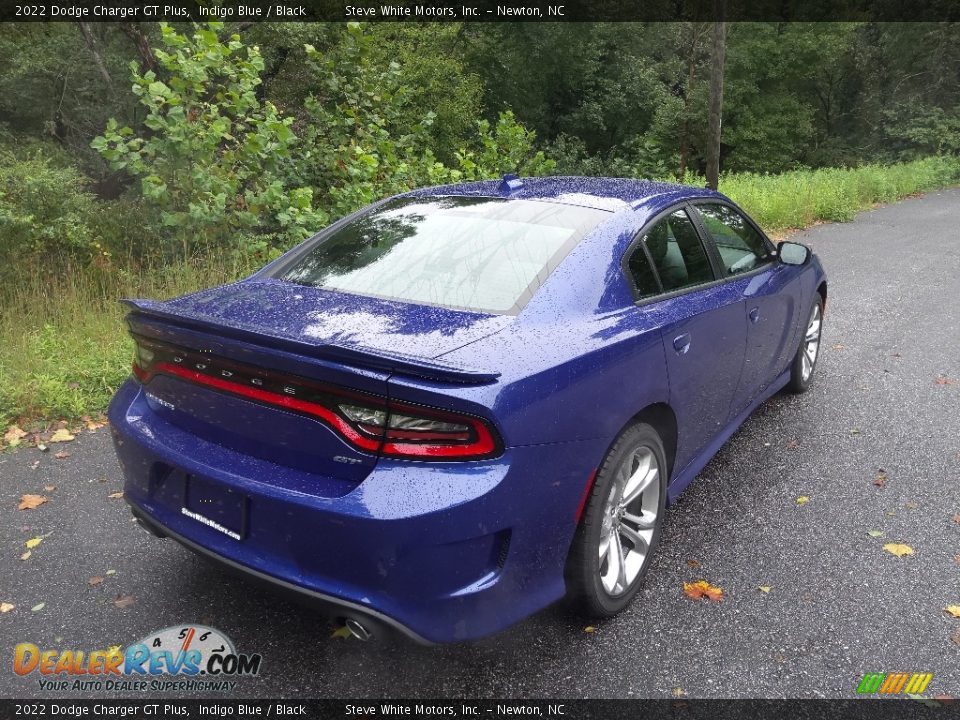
(367, 422)
(410, 431)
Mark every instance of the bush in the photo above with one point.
(45, 211)
(212, 156)
(363, 141)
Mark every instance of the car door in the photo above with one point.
(701, 322)
(769, 289)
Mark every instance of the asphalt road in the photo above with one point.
(838, 605)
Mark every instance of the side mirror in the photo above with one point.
(791, 253)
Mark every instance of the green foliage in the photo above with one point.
(46, 211)
(212, 155)
(362, 144)
(800, 198)
(437, 79)
(64, 349)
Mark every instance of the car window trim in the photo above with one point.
(705, 238)
(720, 270)
(638, 240)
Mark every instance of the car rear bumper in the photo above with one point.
(442, 552)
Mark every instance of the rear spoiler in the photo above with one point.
(392, 362)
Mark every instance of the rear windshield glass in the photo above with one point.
(470, 253)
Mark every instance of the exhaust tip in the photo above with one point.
(147, 527)
(358, 629)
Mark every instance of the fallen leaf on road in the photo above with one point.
(111, 572)
(49, 488)
(61, 435)
(943, 380)
(679, 692)
(764, 589)
(38, 607)
(35, 464)
(6, 607)
(693, 563)
(792, 444)
(896, 355)
(910, 505)
(881, 479)
(91, 423)
(955, 638)
(876, 533)
(702, 589)
(839, 346)
(956, 559)
(953, 610)
(803, 500)
(13, 436)
(33, 542)
(26, 555)
(342, 632)
(124, 601)
(94, 581)
(898, 549)
(589, 629)
(115, 495)
(62, 455)
(956, 518)
(31, 502)
(854, 431)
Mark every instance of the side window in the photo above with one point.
(677, 254)
(741, 247)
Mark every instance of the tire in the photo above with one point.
(595, 587)
(801, 374)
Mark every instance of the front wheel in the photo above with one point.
(805, 361)
(621, 524)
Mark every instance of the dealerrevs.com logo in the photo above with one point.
(182, 657)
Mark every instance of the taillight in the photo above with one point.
(367, 422)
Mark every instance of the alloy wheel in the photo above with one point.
(811, 343)
(629, 521)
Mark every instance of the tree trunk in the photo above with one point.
(91, 44)
(716, 96)
(691, 76)
(147, 60)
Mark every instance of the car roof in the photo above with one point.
(602, 193)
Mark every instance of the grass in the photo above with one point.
(802, 198)
(64, 349)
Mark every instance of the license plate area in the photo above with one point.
(218, 507)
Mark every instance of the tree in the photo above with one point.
(211, 156)
(716, 97)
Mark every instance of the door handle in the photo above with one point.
(681, 343)
(754, 315)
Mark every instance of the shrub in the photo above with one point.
(45, 211)
(361, 143)
(212, 156)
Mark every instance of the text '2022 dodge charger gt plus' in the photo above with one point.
(456, 406)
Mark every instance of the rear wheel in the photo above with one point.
(621, 524)
(805, 361)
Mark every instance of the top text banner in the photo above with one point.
(479, 10)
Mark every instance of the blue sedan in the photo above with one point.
(457, 406)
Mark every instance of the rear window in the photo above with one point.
(467, 253)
